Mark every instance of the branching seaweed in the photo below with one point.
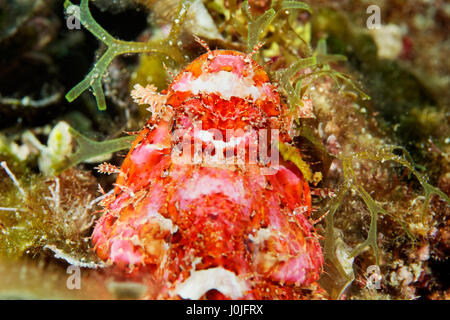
(117, 47)
(88, 148)
(320, 62)
(341, 275)
(293, 84)
(351, 183)
(258, 26)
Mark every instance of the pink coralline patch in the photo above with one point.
(183, 83)
(225, 62)
(204, 229)
(269, 92)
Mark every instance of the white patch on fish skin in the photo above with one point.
(207, 185)
(261, 235)
(158, 146)
(155, 217)
(226, 84)
(200, 282)
(164, 223)
(207, 136)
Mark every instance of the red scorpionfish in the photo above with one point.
(209, 229)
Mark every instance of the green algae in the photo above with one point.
(350, 183)
(320, 61)
(335, 256)
(88, 148)
(59, 153)
(258, 26)
(117, 47)
(38, 211)
(402, 96)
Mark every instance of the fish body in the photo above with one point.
(203, 201)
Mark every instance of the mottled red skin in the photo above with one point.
(217, 211)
